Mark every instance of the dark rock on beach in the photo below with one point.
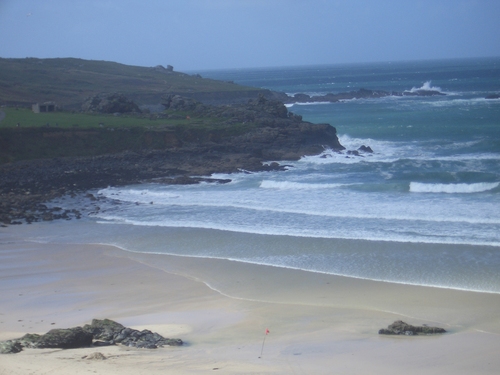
(98, 333)
(67, 338)
(105, 329)
(401, 328)
(10, 347)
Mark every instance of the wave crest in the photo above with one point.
(426, 87)
(418, 187)
(289, 185)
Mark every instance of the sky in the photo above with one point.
(197, 35)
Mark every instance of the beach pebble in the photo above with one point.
(95, 356)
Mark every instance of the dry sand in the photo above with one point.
(319, 324)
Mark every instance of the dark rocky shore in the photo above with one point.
(275, 135)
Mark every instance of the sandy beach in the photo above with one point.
(319, 324)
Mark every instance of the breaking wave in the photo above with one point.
(289, 185)
(426, 87)
(418, 187)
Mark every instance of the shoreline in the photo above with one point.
(415, 264)
(318, 323)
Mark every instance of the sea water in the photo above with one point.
(422, 209)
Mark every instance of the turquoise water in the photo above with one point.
(423, 209)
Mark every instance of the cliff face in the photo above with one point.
(261, 128)
(267, 142)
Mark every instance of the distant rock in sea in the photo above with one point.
(493, 96)
(358, 94)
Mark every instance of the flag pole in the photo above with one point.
(263, 342)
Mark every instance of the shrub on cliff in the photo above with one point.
(109, 103)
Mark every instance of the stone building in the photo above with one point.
(44, 107)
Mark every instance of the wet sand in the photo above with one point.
(319, 324)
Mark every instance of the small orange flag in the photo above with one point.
(263, 341)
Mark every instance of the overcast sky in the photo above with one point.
(214, 34)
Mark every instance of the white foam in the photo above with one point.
(309, 93)
(133, 195)
(290, 185)
(462, 102)
(285, 231)
(383, 151)
(426, 87)
(307, 103)
(313, 208)
(418, 187)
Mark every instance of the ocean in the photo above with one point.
(423, 209)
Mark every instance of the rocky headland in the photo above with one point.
(245, 136)
(206, 126)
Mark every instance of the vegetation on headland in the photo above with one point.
(68, 81)
(68, 131)
(25, 135)
(25, 118)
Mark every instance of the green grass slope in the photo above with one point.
(68, 81)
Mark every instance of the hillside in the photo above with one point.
(68, 81)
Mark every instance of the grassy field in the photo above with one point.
(27, 119)
(61, 134)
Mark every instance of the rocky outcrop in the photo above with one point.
(401, 328)
(109, 332)
(229, 97)
(162, 69)
(179, 103)
(105, 329)
(109, 103)
(10, 347)
(255, 110)
(98, 333)
(366, 149)
(68, 338)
